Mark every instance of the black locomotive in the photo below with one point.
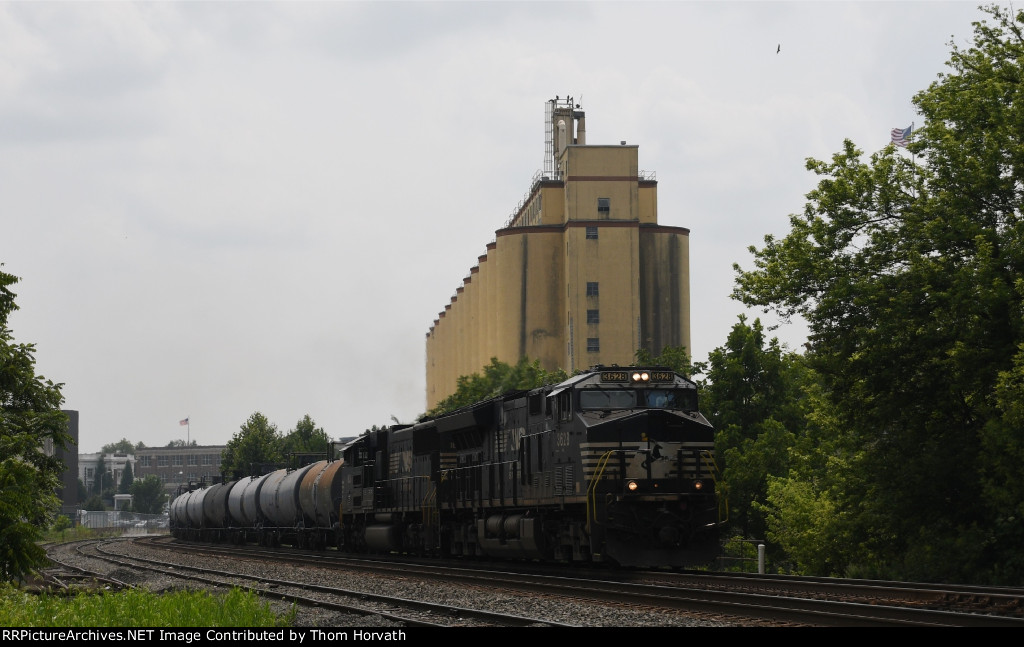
(612, 465)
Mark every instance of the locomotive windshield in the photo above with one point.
(669, 399)
(608, 399)
(684, 399)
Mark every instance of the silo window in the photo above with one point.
(591, 233)
(591, 288)
(593, 316)
(604, 206)
(593, 344)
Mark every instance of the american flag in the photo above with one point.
(900, 136)
(183, 422)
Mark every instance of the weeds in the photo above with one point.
(237, 608)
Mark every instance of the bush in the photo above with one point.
(135, 608)
(62, 522)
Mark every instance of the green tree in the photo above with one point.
(908, 277)
(257, 443)
(806, 508)
(94, 503)
(123, 446)
(127, 477)
(673, 357)
(108, 486)
(305, 438)
(62, 522)
(181, 442)
(497, 378)
(30, 418)
(1003, 474)
(98, 474)
(148, 496)
(752, 396)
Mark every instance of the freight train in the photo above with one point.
(613, 465)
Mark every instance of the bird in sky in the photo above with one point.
(779, 48)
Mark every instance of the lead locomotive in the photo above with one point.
(612, 465)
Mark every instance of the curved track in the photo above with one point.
(735, 600)
(786, 600)
(402, 612)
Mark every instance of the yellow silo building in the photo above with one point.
(581, 274)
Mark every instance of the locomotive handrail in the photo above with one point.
(429, 509)
(708, 458)
(709, 461)
(430, 498)
(602, 463)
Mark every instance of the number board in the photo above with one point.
(623, 376)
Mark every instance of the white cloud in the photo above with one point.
(219, 208)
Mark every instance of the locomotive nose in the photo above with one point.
(669, 536)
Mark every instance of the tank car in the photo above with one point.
(194, 513)
(178, 518)
(279, 504)
(319, 499)
(216, 518)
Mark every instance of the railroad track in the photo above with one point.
(784, 600)
(960, 599)
(391, 609)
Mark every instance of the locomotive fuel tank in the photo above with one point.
(514, 536)
(383, 532)
(383, 536)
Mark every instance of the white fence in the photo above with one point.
(130, 522)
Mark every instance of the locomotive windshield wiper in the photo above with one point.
(604, 398)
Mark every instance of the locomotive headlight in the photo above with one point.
(641, 376)
(698, 485)
(632, 486)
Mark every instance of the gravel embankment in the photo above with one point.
(564, 610)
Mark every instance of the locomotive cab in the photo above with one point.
(648, 460)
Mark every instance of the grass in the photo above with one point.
(134, 608)
(54, 536)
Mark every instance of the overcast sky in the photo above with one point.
(222, 208)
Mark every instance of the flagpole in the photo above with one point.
(901, 137)
(913, 167)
